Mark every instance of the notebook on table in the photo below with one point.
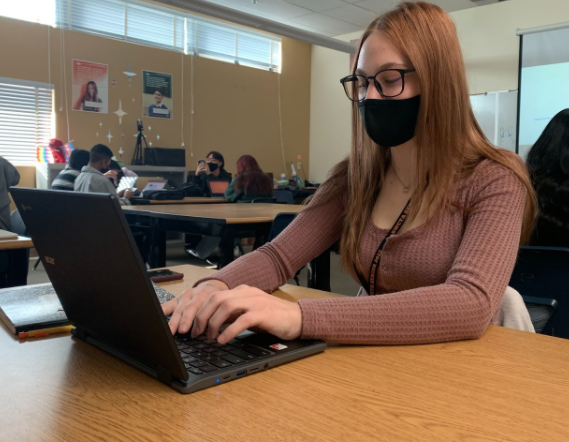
(111, 302)
(35, 307)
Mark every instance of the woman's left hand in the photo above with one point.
(249, 307)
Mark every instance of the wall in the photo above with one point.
(235, 107)
(488, 38)
(330, 110)
(489, 41)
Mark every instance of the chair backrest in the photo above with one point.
(18, 225)
(280, 222)
(284, 196)
(265, 200)
(542, 273)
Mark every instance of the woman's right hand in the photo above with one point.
(183, 308)
(202, 168)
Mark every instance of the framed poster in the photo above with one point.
(90, 88)
(157, 95)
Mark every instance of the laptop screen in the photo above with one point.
(218, 187)
(154, 185)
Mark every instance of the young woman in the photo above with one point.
(250, 182)
(211, 170)
(429, 213)
(548, 164)
(91, 96)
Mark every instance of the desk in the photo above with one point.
(14, 244)
(186, 200)
(508, 386)
(225, 221)
(16, 256)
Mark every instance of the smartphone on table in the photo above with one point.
(164, 275)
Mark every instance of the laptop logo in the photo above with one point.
(49, 260)
(278, 346)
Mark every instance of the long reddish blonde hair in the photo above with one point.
(450, 142)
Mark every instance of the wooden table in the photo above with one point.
(14, 244)
(508, 386)
(186, 200)
(225, 221)
(17, 251)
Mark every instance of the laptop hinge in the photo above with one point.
(164, 376)
(79, 332)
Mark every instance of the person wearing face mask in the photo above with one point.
(211, 170)
(429, 214)
(92, 178)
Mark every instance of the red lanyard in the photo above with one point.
(370, 287)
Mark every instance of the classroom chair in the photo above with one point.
(281, 222)
(14, 263)
(541, 276)
(284, 196)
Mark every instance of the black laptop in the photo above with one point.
(89, 254)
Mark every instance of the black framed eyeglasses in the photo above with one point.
(388, 82)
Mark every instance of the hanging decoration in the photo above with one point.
(120, 113)
(109, 136)
(129, 74)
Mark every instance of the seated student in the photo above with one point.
(9, 176)
(66, 178)
(211, 170)
(250, 182)
(91, 178)
(548, 164)
(429, 213)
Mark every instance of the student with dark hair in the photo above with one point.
(429, 214)
(66, 178)
(211, 170)
(250, 182)
(548, 164)
(92, 178)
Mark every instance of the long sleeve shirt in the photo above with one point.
(441, 281)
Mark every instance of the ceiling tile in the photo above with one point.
(317, 5)
(377, 6)
(272, 9)
(326, 24)
(352, 14)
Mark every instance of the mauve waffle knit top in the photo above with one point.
(441, 281)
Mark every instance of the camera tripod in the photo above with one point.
(137, 157)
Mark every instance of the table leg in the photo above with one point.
(226, 246)
(157, 253)
(319, 272)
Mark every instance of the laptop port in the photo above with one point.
(225, 377)
(241, 372)
(252, 370)
(266, 366)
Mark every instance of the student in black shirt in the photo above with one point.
(548, 164)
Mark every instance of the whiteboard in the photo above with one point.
(497, 114)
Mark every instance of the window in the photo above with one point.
(165, 28)
(39, 11)
(26, 119)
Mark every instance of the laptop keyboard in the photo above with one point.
(202, 355)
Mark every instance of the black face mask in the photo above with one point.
(212, 166)
(390, 122)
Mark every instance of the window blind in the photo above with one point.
(151, 25)
(26, 119)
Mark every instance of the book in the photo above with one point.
(35, 307)
(31, 307)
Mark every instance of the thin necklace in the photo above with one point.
(405, 188)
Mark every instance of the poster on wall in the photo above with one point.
(90, 92)
(156, 95)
